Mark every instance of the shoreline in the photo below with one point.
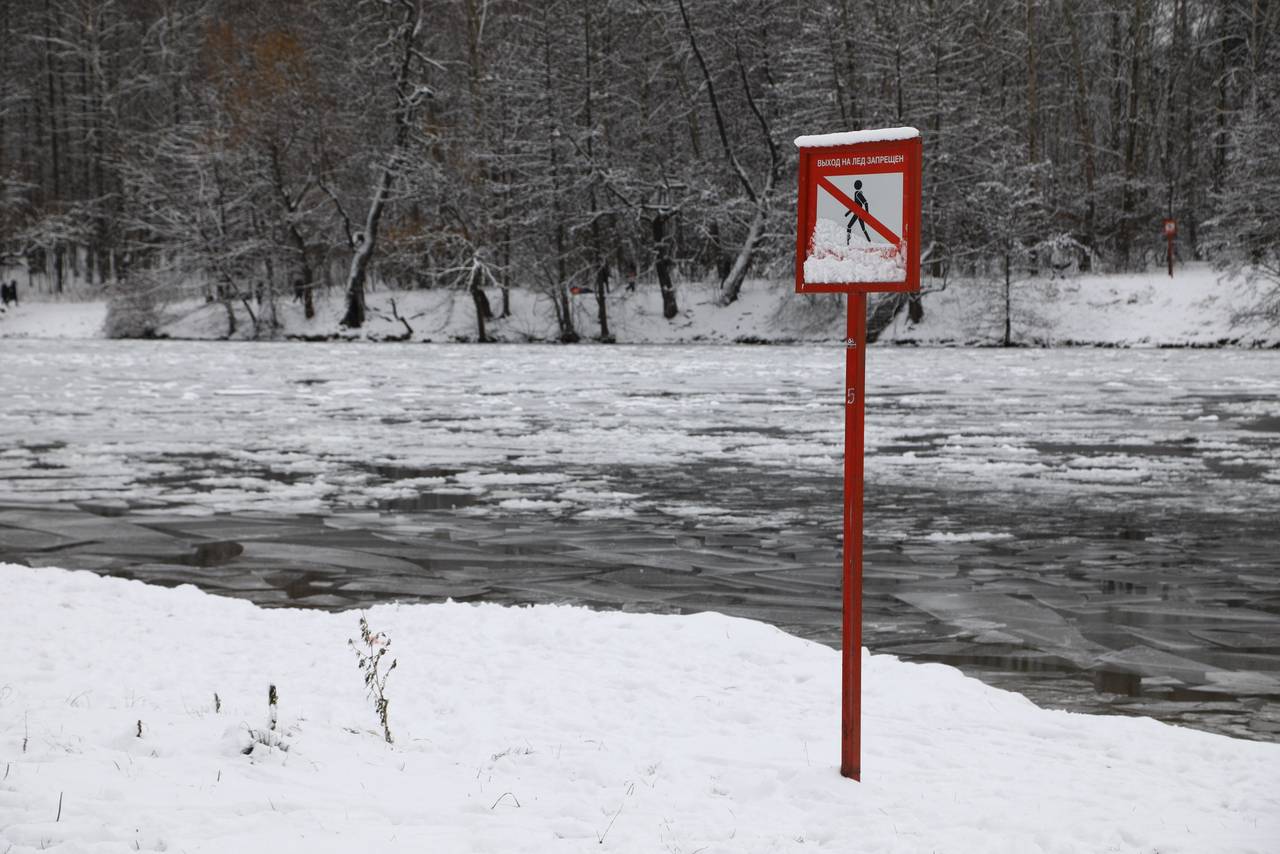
(1127, 311)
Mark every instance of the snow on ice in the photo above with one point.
(350, 425)
(556, 729)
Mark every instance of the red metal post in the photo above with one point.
(1170, 253)
(855, 375)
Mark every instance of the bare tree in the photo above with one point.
(398, 27)
(579, 143)
(760, 191)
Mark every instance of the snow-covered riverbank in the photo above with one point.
(1195, 308)
(555, 729)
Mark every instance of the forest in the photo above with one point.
(227, 149)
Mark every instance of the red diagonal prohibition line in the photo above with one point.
(858, 211)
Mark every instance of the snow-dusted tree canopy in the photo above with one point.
(303, 143)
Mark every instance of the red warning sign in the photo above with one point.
(858, 213)
(857, 230)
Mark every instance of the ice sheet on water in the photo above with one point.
(494, 478)
(966, 536)
(1243, 682)
(530, 505)
(108, 420)
(981, 611)
(1154, 662)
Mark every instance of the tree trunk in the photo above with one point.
(356, 309)
(248, 307)
(1131, 133)
(732, 285)
(915, 308)
(1190, 150)
(1221, 135)
(602, 267)
(481, 302)
(231, 316)
(405, 107)
(54, 135)
(1084, 126)
(723, 263)
(1008, 311)
(308, 275)
(564, 314)
(1033, 109)
(602, 312)
(662, 265)
(506, 265)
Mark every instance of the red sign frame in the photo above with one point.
(860, 158)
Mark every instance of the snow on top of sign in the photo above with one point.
(825, 140)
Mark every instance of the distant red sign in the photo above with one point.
(858, 212)
(1170, 230)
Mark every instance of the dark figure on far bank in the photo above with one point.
(9, 293)
(852, 217)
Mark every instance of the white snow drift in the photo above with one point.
(1195, 308)
(556, 729)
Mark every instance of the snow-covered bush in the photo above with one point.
(133, 309)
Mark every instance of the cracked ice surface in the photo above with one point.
(300, 428)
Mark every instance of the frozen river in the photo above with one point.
(1095, 528)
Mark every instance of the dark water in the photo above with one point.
(1170, 615)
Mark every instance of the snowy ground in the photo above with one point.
(556, 729)
(39, 319)
(1195, 307)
